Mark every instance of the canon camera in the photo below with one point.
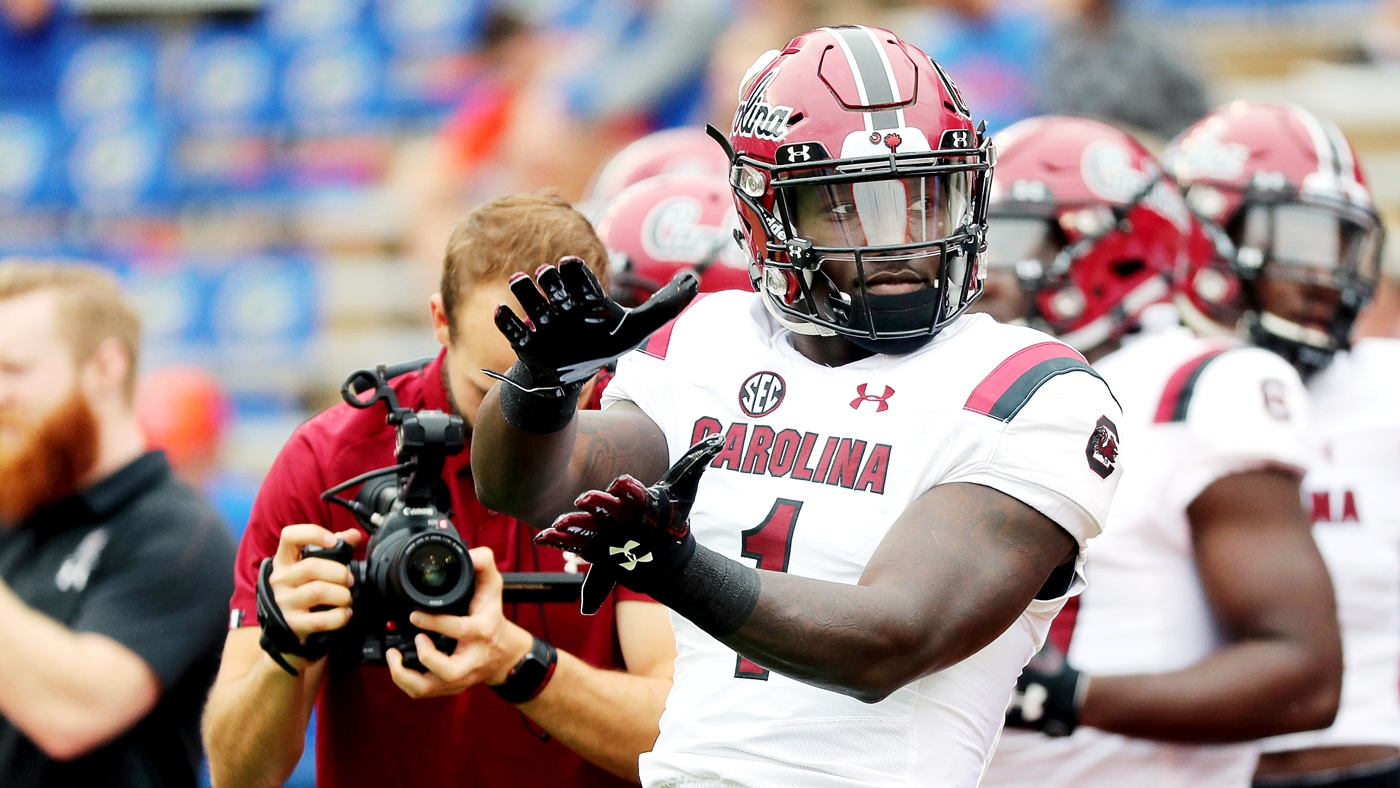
(415, 559)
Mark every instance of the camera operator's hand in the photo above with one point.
(300, 584)
(577, 329)
(488, 645)
(631, 534)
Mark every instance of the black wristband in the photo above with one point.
(531, 406)
(717, 594)
(277, 637)
(530, 675)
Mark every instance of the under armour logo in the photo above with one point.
(882, 400)
(632, 559)
(1031, 702)
(955, 138)
(799, 153)
(77, 567)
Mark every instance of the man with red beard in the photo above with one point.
(113, 575)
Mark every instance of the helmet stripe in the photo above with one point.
(875, 83)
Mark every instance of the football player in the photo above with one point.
(669, 223)
(878, 502)
(1288, 188)
(1208, 621)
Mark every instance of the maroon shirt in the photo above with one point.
(369, 732)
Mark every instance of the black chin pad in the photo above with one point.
(898, 313)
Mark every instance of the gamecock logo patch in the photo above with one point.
(1102, 450)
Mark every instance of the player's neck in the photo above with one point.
(829, 351)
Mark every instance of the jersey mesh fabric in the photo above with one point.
(1194, 411)
(369, 732)
(818, 463)
(1354, 500)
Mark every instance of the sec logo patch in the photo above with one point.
(761, 394)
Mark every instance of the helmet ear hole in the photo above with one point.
(1124, 269)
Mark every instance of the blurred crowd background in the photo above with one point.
(275, 179)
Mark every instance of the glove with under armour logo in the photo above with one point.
(631, 534)
(574, 330)
(1048, 696)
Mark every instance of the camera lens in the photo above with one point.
(434, 568)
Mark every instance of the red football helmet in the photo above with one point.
(671, 150)
(660, 226)
(853, 148)
(1094, 232)
(1287, 188)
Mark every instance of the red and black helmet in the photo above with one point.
(658, 227)
(682, 149)
(1287, 187)
(1093, 230)
(851, 144)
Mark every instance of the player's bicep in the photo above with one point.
(1258, 563)
(971, 558)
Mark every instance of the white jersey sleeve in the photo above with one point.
(1247, 410)
(1057, 454)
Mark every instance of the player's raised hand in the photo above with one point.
(633, 534)
(574, 328)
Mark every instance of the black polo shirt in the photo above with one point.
(143, 559)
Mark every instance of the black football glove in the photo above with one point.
(635, 535)
(577, 329)
(1048, 696)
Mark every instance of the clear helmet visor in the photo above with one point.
(881, 213)
(1312, 243)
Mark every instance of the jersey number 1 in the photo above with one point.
(770, 543)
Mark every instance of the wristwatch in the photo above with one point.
(530, 675)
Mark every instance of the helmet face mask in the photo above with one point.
(1286, 188)
(880, 244)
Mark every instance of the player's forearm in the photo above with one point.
(856, 640)
(68, 692)
(536, 477)
(1247, 691)
(523, 474)
(254, 726)
(608, 717)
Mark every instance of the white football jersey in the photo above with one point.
(818, 463)
(1194, 411)
(1353, 492)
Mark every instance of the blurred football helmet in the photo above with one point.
(1093, 231)
(852, 150)
(1287, 188)
(671, 150)
(657, 227)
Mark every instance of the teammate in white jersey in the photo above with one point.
(1208, 620)
(894, 495)
(1287, 187)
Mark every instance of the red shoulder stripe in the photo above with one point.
(660, 342)
(984, 398)
(1176, 397)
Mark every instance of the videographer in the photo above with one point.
(446, 726)
(112, 573)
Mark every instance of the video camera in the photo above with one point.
(415, 559)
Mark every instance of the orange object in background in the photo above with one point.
(184, 411)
